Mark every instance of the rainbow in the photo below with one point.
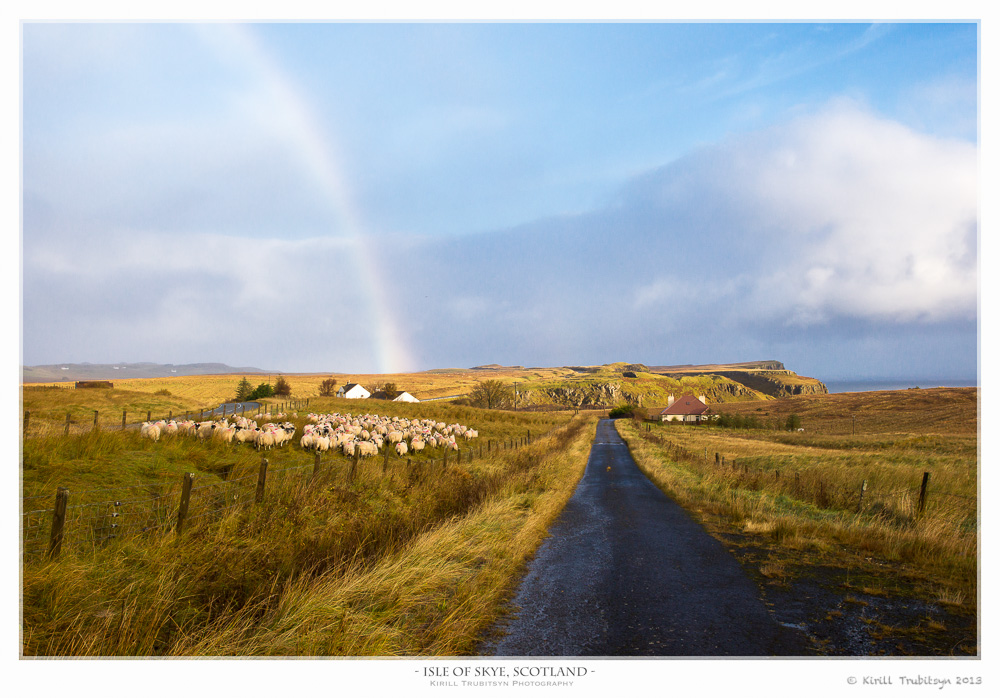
(316, 149)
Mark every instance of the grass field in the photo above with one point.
(48, 403)
(414, 557)
(842, 494)
(386, 557)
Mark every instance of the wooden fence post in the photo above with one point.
(182, 510)
(26, 415)
(123, 419)
(861, 496)
(58, 522)
(261, 479)
(67, 424)
(149, 415)
(923, 493)
(95, 420)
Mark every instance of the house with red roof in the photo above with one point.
(688, 409)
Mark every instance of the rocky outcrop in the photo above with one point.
(772, 382)
(612, 394)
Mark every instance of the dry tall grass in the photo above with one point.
(394, 558)
(845, 499)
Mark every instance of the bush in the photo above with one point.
(282, 388)
(491, 394)
(261, 391)
(620, 411)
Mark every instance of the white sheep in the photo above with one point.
(150, 430)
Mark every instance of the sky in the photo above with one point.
(376, 197)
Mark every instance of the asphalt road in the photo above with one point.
(626, 572)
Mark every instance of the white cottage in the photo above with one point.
(353, 391)
(688, 409)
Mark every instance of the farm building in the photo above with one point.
(353, 391)
(688, 409)
(402, 397)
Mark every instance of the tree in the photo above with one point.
(262, 390)
(391, 391)
(243, 390)
(793, 422)
(493, 394)
(328, 388)
(282, 388)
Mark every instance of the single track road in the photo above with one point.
(627, 572)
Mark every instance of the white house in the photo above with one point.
(405, 397)
(688, 409)
(353, 391)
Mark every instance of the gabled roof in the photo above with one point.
(688, 404)
(348, 386)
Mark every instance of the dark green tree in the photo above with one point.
(243, 390)
(793, 422)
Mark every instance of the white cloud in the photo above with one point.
(849, 215)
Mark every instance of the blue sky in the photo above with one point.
(375, 197)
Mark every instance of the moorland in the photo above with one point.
(417, 555)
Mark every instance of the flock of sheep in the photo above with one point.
(368, 434)
(364, 435)
(238, 430)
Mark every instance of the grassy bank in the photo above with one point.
(390, 557)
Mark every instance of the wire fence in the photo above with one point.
(50, 524)
(899, 504)
(80, 423)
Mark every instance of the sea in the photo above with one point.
(860, 386)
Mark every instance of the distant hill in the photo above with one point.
(87, 371)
